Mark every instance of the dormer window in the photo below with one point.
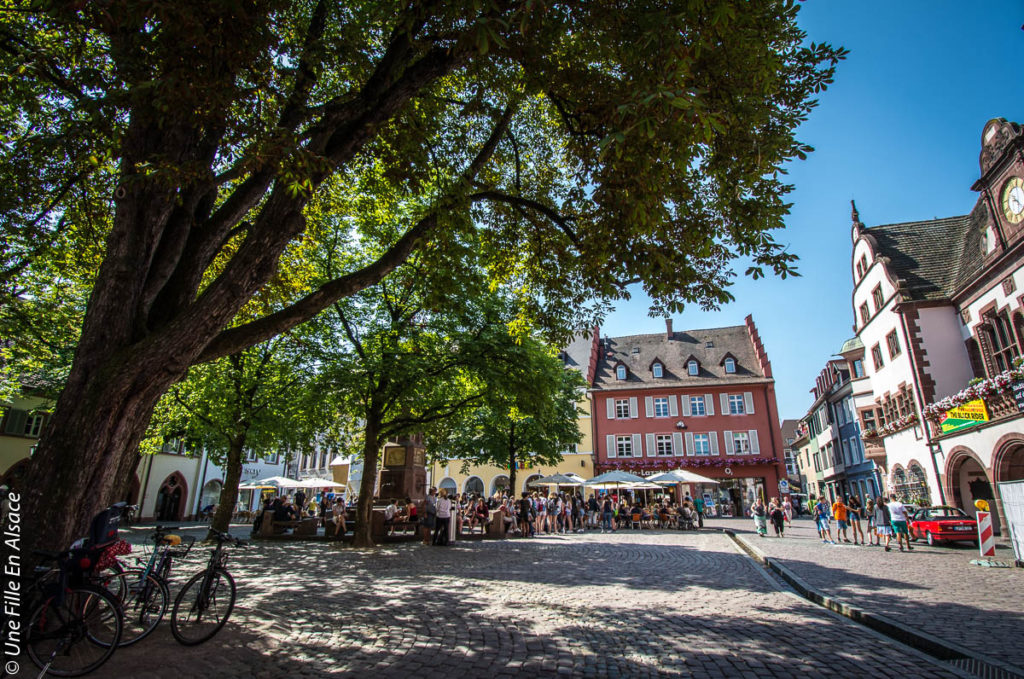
(620, 372)
(730, 365)
(692, 368)
(657, 370)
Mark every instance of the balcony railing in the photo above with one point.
(996, 392)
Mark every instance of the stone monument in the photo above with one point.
(405, 472)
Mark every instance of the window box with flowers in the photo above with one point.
(890, 428)
(997, 392)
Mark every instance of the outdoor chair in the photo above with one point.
(635, 521)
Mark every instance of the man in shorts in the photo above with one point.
(898, 516)
(839, 513)
(821, 518)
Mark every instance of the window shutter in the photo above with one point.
(611, 408)
(713, 437)
(649, 406)
(689, 443)
(686, 406)
(748, 402)
(652, 450)
(637, 445)
(725, 403)
(673, 406)
(728, 443)
(755, 449)
(634, 410)
(611, 445)
(677, 443)
(709, 404)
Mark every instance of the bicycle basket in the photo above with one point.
(109, 555)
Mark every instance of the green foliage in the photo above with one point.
(259, 400)
(529, 414)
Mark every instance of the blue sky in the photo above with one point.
(900, 132)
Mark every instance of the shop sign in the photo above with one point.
(1018, 394)
(963, 417)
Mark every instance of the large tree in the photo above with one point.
(592, 143)
(528, 417)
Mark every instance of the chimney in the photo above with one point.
(668, 328)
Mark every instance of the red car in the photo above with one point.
(937, 524)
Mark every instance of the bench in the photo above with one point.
(270, 528)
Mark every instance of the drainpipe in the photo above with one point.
(145, 485)
(204, 462)
(920, 397)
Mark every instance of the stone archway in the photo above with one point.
(473, 485)
(171, 498)
(449, 485)
(1009, 463)
(499, 483)
(967, 481)
(528, 480)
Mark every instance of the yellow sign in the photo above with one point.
(968, 415)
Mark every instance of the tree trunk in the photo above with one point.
(89, 453)
(363, 532)
(229, 492)
(511, 464)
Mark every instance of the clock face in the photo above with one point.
(1013, 200)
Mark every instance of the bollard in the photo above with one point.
(986, 539)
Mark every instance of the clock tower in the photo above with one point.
(1002, 177)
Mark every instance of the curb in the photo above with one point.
(922, 641)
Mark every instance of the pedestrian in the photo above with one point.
(898, 520)
(883, 525)
(429, 515)
(869, 514)
(821, 518)
(606, 515)
(389, 516)
(300, 502)
(339, 517)
(760, 514)
(839, 513)
(444, 518)
(787, 510)
(698, 504)
(854, 511)
(778, 517)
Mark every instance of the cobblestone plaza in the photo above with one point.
(630, 604)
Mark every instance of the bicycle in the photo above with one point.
(73, 625)
(205, 603)
(144, 592)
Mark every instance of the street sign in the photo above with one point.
(784, 486)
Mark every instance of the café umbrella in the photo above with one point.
(557, 480)
(680, 476)
(614, 479)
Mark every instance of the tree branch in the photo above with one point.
(561, 222)
(246, 335)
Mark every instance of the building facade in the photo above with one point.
(697, 399)
(939, 322)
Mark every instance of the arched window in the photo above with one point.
(620, 372)
(730, 365)
(692, 368)
(657, 370)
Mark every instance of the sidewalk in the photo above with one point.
(932, 589)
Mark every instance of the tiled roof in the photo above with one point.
(933, 258)
(576, 354)
(638, 353)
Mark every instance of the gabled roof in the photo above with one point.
(673, 353)
(933, 258)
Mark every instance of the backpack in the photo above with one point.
(552, 506)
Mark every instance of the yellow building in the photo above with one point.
(23, 420)
(487, 479)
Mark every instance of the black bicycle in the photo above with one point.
(144, 591)
(207, 599)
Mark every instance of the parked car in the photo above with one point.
(939, 524)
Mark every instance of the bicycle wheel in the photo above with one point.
(75, 635)
(201, 610)
(144, 602)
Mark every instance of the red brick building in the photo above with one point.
(702, 400)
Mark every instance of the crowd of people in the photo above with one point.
(885, 517)
(550, 512)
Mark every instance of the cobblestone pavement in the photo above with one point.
(633, 604)
(933, 589)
